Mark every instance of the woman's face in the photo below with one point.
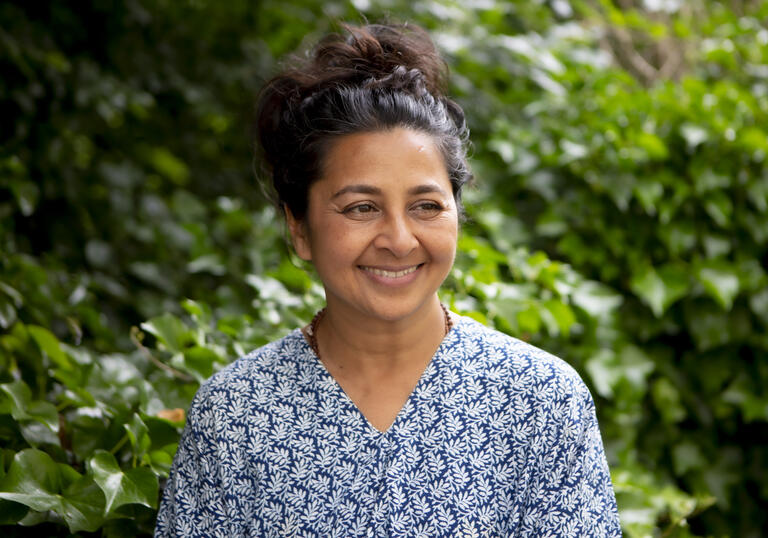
(381, 225)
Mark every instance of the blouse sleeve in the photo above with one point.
(193, 499)
(570, 491)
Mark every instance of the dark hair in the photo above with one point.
(376, 78)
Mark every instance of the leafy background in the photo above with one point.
(620, 219)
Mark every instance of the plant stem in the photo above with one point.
(119, 444)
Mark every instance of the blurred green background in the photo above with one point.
(620, 220)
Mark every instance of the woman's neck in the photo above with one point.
(373, 347)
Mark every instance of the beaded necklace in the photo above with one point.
(312, 329)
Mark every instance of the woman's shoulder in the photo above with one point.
(497, 355)
(260, 367)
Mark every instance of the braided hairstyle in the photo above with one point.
(374, 78)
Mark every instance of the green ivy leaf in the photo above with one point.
(200, 312)
(36, 481)
(7, 313)
(596, 299)
(168, 165)
(635, 366)
(271, 289)
(693, 134)
(649, 193)
(708, 325)
(17, 401)
(13, 293)
(721, 281)
(82, 506)
(36, 434)
(292, 276)
(719, 207)
(603, 372)
(528, 319)
(561, 313)
(709, 181)
(27, 195)
(687, 456)
(208, 263)
(161, 460)
(11, 512)
(653, 145)
(138, 433)
(49, 344)
(758, 193)
(754, 139)
(679, 236)
(759, 305)
(170, 331)
(667, 399)
(136, 486)
(200, 360)
(87, 433)
(33, 480)
(163, 429)
(659, 289)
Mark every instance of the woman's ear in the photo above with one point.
(299, 235)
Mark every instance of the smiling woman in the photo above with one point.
(381, 230)
(387, 415)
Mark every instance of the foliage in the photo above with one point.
(624, 145)
(659, 193)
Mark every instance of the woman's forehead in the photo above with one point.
(383, 159)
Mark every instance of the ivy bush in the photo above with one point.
(620, 220)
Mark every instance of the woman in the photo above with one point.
(388, 415)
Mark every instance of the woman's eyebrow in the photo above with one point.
(359, 189)
(426, 189)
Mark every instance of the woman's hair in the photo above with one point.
(375, 78)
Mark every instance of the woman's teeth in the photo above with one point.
(391, 274)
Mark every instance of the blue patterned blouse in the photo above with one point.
(498, 438)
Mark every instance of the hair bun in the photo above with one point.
(402, 79)
(399, 57)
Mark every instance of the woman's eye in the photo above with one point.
(428, 208)
(360, 210)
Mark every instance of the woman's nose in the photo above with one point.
(396, 235)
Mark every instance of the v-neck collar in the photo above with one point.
(429, 372)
